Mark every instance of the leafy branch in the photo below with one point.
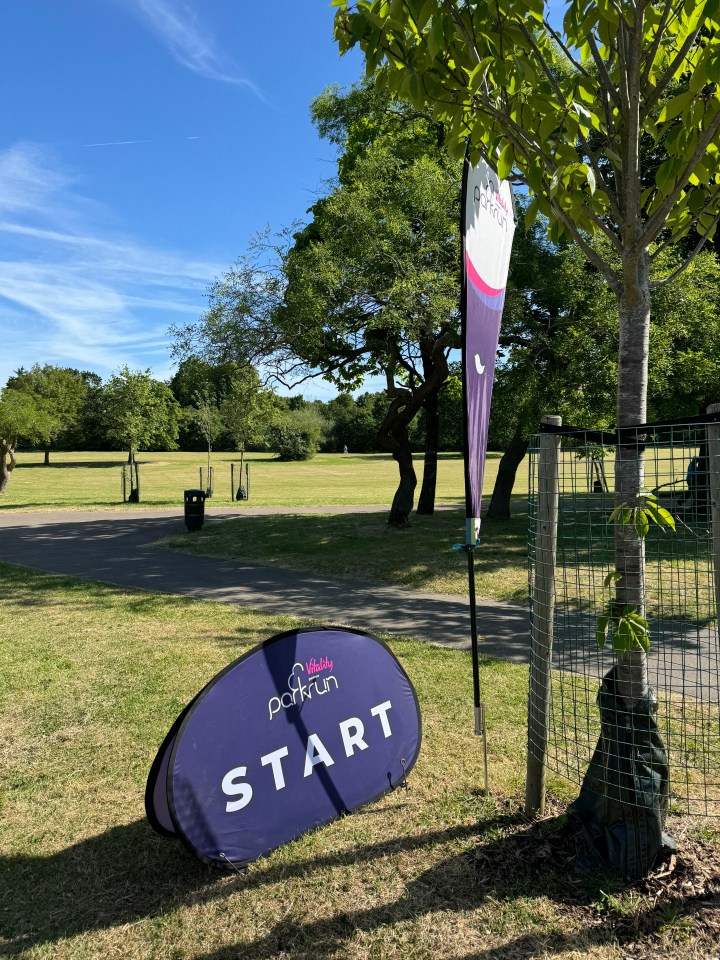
(622, 624)
(645, 511)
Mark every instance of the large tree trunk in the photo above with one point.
(426, 500)
(7, 464)
(405, 494)
(634, 315)
(405, 403)
(393, 437)
(47, 458)
(499, 508)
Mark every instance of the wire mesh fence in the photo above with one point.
(573, 546)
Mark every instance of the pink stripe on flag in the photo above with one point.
(478, 282)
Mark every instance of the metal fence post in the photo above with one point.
(713, 431)
(542, 613)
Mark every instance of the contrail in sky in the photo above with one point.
(123, 143)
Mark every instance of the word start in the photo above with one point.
(352, 732)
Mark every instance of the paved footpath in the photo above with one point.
(116, 547)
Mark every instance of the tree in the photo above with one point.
(86, 432)
(61, 391)
(297, 434)
(571, 112)
(354, 422)
(21, 417)
(612, 121)
(139, 412)
(247, 410)
(208, 420)
(371, 283)
(368, 286)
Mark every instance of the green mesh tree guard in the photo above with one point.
(663, 755)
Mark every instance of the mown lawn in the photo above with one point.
(93, 480)
(363, 547)
(91, 678)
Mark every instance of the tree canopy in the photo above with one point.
(60, 391)
(139, 412)
(611, 119)
(21, 418)
(368, 286)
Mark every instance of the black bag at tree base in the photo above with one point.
(620, 813)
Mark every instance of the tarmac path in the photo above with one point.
(116, 547)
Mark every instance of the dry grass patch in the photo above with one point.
(91, 677)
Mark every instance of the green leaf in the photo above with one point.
(622, 514)
(623, 640)
(436, 37)
(665, 176)
(602, 630)
(675, 107)
(531, 213)
(659, 515)
(612, 577)
(505, 161)
(478, 75)
(642, 524)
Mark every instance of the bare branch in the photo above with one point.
(652, 53)
(565, 49)
(605, 80)
(597, 261)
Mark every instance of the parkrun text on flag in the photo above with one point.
(488, 228)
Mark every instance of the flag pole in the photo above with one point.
(472, 525)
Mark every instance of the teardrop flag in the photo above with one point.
(487, 233)
(488, 226)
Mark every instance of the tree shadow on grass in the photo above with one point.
(362, 547)
(508, 874)
(128, 874)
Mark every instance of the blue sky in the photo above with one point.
(142, 143)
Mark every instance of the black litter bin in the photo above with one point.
(194, 509)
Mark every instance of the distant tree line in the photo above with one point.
(203, 407)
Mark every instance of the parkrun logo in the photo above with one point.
(303, 684)
(490, 199)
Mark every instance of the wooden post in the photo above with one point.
(542, 613)
(713, 431)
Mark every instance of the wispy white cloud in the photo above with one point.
(76, 292)
(190, 41)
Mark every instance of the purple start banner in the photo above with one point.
(305, 727)
(488, 229)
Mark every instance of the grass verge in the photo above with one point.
(91, 678)
(363, 547)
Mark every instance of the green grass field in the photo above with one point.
(363, 547)
(91, 677)
(93, 480)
